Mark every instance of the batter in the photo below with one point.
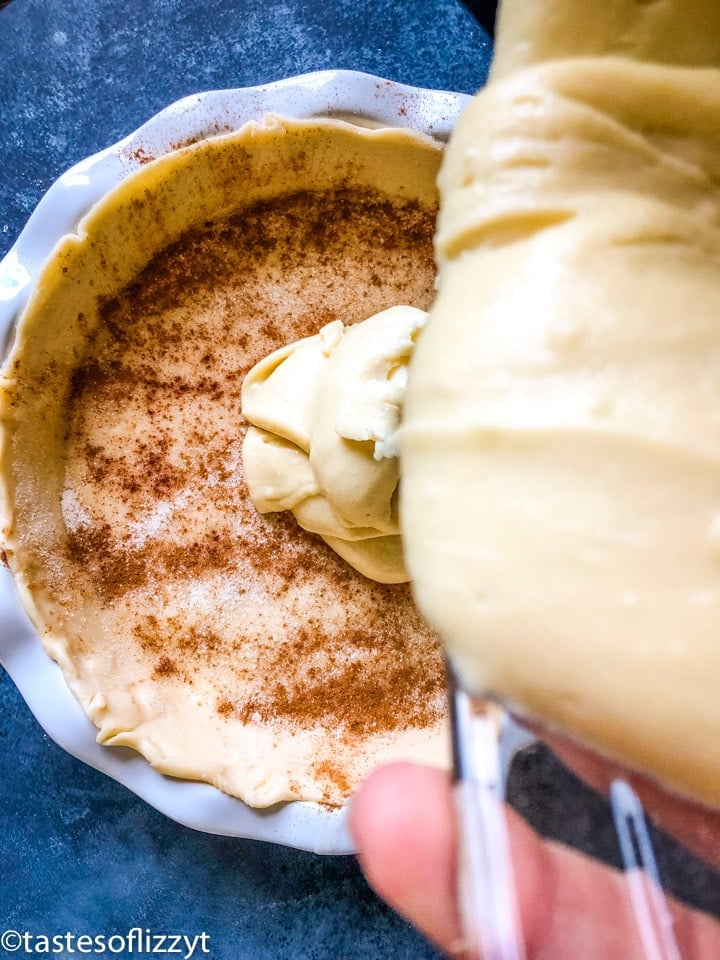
(561, 448)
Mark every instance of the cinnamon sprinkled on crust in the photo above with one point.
(162, 535)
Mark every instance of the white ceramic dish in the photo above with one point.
(357, 97)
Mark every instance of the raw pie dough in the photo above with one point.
(224, 646)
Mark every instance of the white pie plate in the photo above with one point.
(349, 95)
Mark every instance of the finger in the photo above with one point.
(403, 822)
(572, 907)
(403, 825)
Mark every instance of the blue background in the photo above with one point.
(77, 851)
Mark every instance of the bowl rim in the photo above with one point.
(349, 95)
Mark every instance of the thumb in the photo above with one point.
(572, 908)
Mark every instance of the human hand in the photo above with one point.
(572, 907)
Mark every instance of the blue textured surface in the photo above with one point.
(78, 852)
(75, 77)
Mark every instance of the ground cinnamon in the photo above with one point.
(155, 434)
